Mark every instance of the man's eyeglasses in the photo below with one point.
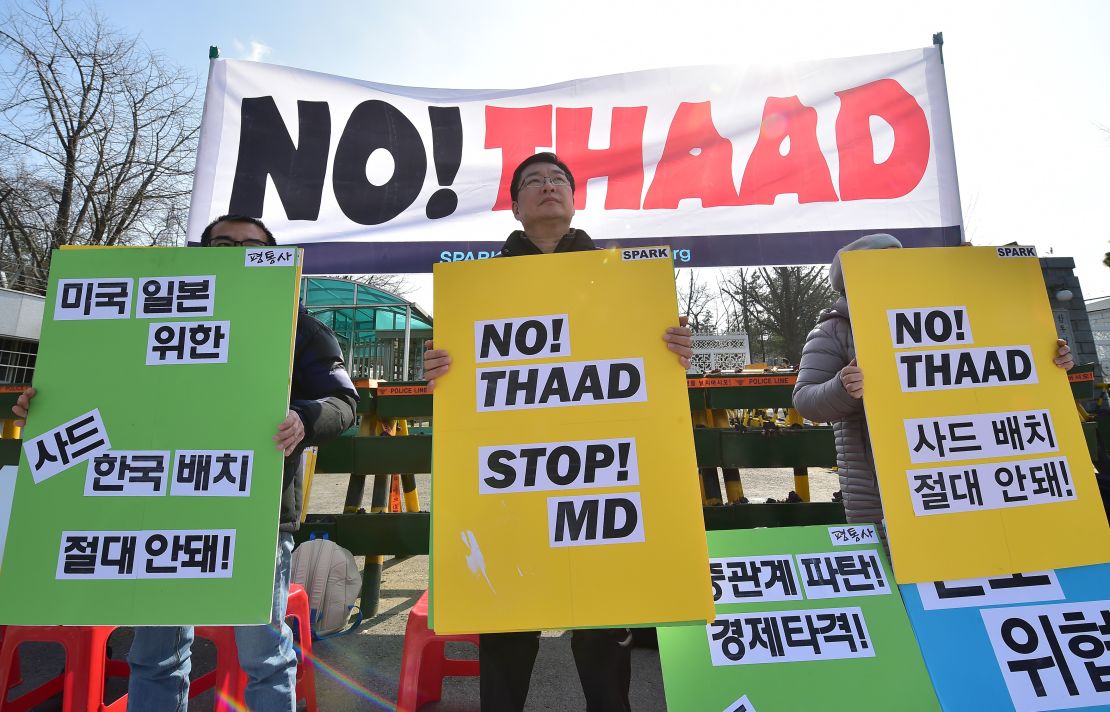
(556, 181)
(228, 242)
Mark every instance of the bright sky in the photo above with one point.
(1027, 81)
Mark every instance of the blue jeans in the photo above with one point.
(160, 657)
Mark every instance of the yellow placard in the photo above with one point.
(979, 453)
(572, 503)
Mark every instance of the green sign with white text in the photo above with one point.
(149, 485)
(808, 618)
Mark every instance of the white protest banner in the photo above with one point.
(727, 165)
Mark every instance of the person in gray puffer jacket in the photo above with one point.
(830, 390)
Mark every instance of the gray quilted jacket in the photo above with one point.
(819, 396)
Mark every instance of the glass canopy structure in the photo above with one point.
(381, 334)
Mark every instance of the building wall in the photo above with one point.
(20, 315)
(17, 361)
(20, 325)
(1072, 322)
(1099, 315)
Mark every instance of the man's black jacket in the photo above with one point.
(574, 241)
(323, 396)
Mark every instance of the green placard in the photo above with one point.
(821, 627)
(185, 355)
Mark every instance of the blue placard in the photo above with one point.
(1037, 641)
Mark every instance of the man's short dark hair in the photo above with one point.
(206, 236)
(546, 157)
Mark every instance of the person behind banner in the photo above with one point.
(542, 191)
(830, 390)
(321, 406)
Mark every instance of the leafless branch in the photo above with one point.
(97, 137)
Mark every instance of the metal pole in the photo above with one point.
(351, 343)
(370, 594)
(408, 331)
(801, 482)
(734, 488)
(711, 486)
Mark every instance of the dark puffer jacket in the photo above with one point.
(323, 396)
(820, 396)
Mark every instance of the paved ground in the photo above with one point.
(360, 671)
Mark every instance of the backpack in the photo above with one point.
(330, 576)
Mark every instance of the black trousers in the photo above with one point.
(603, 657)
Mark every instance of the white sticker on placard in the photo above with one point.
(947, 369)
(128, 473)
(993, 591)
(82, 299)
(68, 444)
(570, 465)
(590, 520)
(557, 385)
(854, 534)
(933, 326)
(741, 705)
(271, 257)
(212, 473)
(992, 485)
(161, 297)
(180, 342)
(522, 338)
(1052, 656)
(646, 253)
(843, 574)
(1017, 251)
(182, 554)
(957, 438)
(750, 579)
(789, 636)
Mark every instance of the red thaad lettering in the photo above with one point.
(622, 163)
(860, 177)
(696, 162)
(518, 133)
(802, 171)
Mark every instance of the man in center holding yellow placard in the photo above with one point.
(542, 191)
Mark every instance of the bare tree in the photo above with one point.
(396, 284)
(696, 301)
(97, 139)
(781, 303)
(738, 290)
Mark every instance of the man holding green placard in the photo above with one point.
(322, 405)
